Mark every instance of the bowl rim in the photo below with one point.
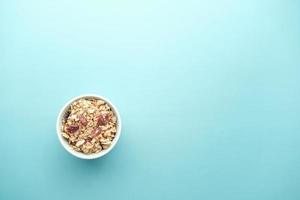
(64, 142)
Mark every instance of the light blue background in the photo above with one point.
(208, 91)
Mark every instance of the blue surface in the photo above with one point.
(208, 92)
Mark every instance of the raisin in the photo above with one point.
(72, 128)
(103, 119)
(83, 120)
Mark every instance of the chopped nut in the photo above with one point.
(91, 110)
(96, 132)
(105, 146)
(65, 135)
(105, 142)
(80, 142)
(89, 145)
(73, 117)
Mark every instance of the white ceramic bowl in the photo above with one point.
(64, 142)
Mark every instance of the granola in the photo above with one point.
(89, 125)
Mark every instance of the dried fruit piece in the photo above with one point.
(72, 128)
(83, 120)
(103, 119)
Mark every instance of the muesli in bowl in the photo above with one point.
(89, 125)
